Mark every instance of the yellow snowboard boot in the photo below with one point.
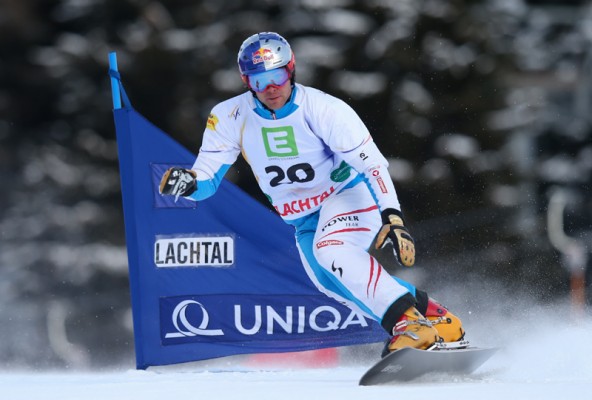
(412, 330)
(448, 325)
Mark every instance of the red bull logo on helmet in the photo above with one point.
(262, 55)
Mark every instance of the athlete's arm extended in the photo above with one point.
(216, 155)
(208, 176)
(193, 184)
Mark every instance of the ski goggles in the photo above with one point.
(262, 80)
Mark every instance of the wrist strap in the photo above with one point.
(391, 211)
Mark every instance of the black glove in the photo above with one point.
(395, 232)
(178, 182)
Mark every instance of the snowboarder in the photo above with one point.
(318, 165)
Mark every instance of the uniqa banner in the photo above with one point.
(214, 278)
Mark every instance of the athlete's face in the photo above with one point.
(274, 97)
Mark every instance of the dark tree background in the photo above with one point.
(483, 108)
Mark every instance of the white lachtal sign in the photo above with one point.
(194, 251)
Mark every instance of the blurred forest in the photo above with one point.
(483, 108)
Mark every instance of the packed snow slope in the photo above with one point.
(543, 354)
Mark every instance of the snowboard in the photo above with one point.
(409, 363)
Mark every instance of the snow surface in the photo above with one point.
(542, 356)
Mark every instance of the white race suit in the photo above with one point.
(318, 166)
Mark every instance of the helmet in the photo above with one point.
(265, 51)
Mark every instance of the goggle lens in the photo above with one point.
(261, 81)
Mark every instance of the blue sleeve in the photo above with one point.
(207, 188)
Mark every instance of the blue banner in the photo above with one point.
(218, 277)
(233, 319)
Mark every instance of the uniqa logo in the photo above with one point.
(296, 320)
(263, 320)
(185, 328)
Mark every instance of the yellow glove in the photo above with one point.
(394, 231)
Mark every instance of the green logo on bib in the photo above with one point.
(341, 173)
(280, 141)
